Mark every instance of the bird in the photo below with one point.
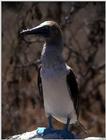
(56, 80)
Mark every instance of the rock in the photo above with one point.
(42, 133)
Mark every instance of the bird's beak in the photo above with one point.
(39, 30)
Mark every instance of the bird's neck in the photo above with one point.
(52, 55)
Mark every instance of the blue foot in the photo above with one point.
(48, 133)
(40, 131)
(58, 134)
(65, 134)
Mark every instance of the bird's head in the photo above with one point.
(50, 30)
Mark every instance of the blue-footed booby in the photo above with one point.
(56, 79)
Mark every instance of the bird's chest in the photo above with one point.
(53, 85)
(52, 80)
(56, 94)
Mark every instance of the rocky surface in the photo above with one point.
(58, 134)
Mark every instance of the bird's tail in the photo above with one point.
(82, 127)
(79, 129)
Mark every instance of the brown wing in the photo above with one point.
(74, 91)
(39, 83)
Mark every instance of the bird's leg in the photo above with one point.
(49, 129)
(50, 121)
(67, 124)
